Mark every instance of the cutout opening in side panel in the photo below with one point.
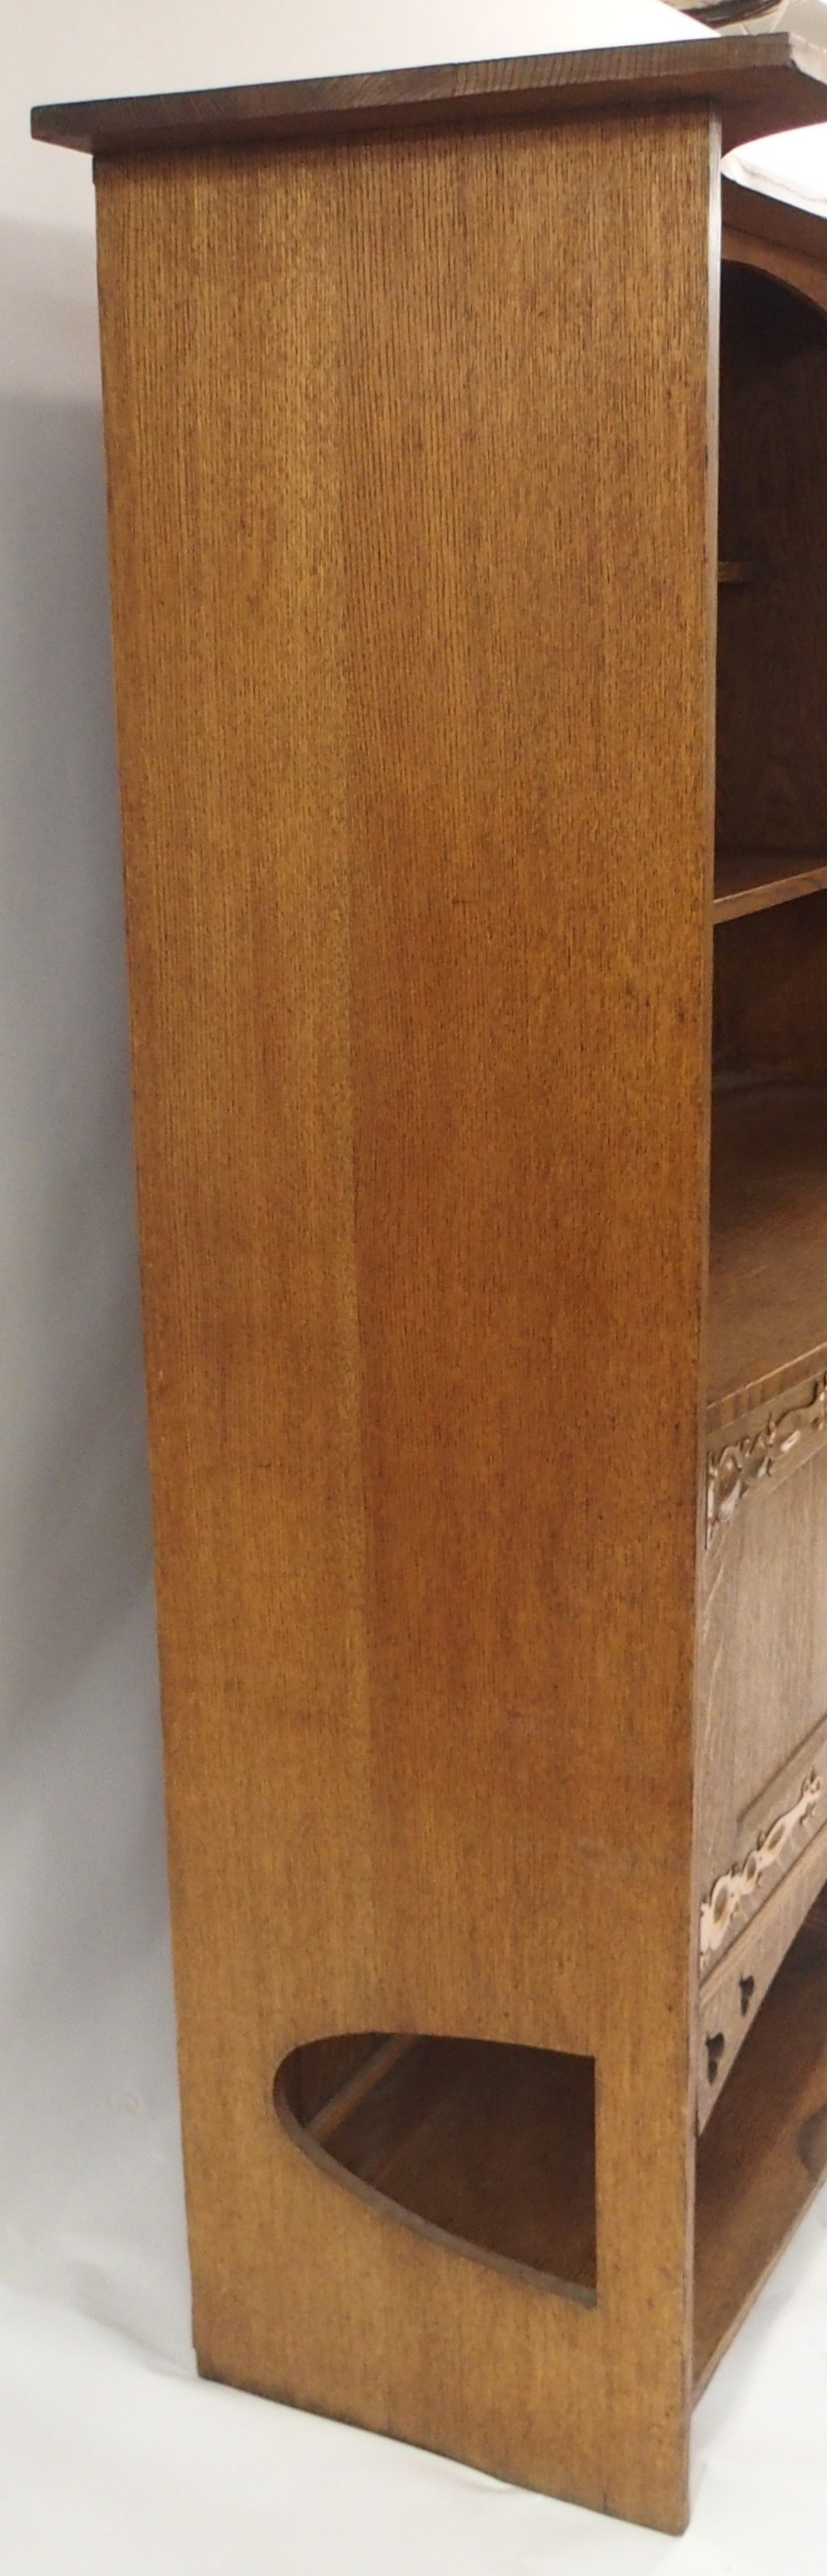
(485, 2146)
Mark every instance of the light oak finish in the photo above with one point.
(411, 420)
(760, 2163)
(363, 986)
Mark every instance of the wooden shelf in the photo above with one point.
(736, 576)
(755, 880)
(489, 2145)
(768, 1242)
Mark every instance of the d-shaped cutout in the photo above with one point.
(485, 2146)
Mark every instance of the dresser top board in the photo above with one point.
(758, 84)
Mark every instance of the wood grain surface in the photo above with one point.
(759, 86)
(419, 893)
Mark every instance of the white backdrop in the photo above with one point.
(105, 2463)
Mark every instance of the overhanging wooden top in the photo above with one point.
(759, 84)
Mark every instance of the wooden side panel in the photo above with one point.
(408, 448)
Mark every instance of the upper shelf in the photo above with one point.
(737, 576)
(756, 880)
(758, 84)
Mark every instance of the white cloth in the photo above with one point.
(791, 166)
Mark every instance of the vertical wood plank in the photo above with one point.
(408, 449)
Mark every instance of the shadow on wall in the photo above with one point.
(75, 1548)
(90, 2180)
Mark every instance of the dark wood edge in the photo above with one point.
(746, 210)
(761, 85)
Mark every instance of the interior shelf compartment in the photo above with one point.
(763, 2153)
(488, 2144)
(768, 1242)
(756, 880)
(493, 2147)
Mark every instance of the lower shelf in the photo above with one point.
(489, 2146)
(759, 880)
(493, 2147)
(764, 2153)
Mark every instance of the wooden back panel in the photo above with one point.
(771, 993)
(410, 521)
(772, 646)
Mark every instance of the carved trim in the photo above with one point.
(737, 1470)
(743, 1880)
(732, 1992)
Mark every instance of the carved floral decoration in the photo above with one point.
(743, 1880)
(739, 1469)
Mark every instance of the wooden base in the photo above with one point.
(493, 2148)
